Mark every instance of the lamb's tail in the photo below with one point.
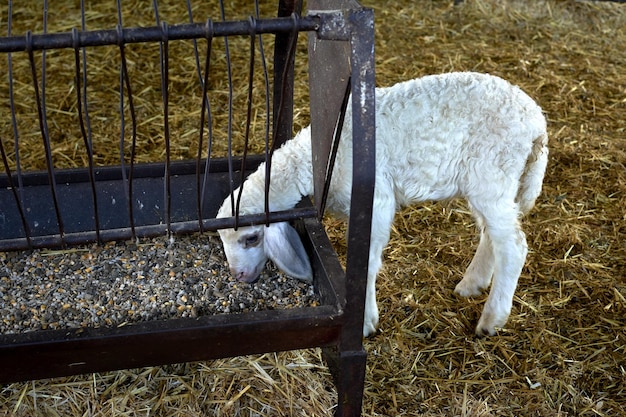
(532, 177)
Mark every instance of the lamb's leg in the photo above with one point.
(478, 275)
(509, 250)
(384, 209)
(370, 319)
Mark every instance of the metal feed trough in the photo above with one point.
(59, 208)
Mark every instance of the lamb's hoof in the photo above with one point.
(485, 332)
(468, 288)
(370, 319)
(488, 324)
(369, 329)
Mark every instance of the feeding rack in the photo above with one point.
(57, 207)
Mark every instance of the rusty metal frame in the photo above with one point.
(340, 29)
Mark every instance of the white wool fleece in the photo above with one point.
(438, 137)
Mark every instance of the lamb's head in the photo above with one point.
(247, 250)
(244, 251)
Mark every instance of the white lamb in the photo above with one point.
(452, 135)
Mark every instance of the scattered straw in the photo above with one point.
(563, 351)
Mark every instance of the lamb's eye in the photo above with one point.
(252, 240)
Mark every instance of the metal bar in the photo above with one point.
(16, 191)
(350, 361)
(164, 52)
(16, 197)
(246, 141)
(125, 81)
(321, 207)
(45, 137)
(195, 42)
(45, 354)
(268, 108)
(154, 34)
(125, 233)
(83, 26)
(329, 72)
(231, 181)
(363, 175)
(203, 79)
(283, 78)
(142, 170)
(206, 109)
(82, 119)
(283, 104)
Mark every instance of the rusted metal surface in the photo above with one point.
(44, 354)
(329, 74)
(37, 42)
(60, 353)
(352, 356)
(339, 61)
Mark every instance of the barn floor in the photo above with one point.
(563, 351)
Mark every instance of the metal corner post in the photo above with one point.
(352, 355)
(363, 171)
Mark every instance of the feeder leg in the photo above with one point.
(348, 371)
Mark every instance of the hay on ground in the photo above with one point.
(563, 351)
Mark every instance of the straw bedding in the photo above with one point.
(563, 351)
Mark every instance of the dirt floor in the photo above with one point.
(563, 351)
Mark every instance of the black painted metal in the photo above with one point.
(115, 223)
(120, 36)
(39, 208)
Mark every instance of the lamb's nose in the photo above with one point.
(242, 276)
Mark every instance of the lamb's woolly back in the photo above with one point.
(291, 177)
(448, 135)
(452, 135)
(431, 133)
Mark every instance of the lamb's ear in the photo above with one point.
(284, 247)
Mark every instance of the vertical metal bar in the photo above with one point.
(329, 72)
(167, 196)
(333, 151)
(164, 58)
(252, 23)
(125, 81)
(231, 183)
(363, 174)
(43, 57)
(284, 130)
(267, 90)
(82, 118)
(352, 354)
(13, 188)
(195, 43)
(89, 142)
(200, 185)
(283, 112)
(17, 192)
(43, 127)
(11, 97)
(206, 108)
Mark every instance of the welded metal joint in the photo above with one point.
(333, 24)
